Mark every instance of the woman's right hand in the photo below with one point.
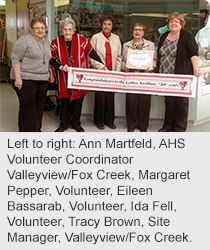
(66, 68)
(18, 83)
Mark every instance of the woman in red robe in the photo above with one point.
(70, 50)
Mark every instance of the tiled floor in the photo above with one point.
(9, 117)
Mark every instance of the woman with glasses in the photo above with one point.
(177, 54)
(137, 105)
(30, 74)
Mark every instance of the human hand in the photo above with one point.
(147, 70)
(52, 79)
(125, 69)
(104, 68)
(66, 68)
(197, 72)
(18, 83)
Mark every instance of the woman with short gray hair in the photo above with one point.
(70, 50)
(66, 21)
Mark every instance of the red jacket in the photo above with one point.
(80, 50)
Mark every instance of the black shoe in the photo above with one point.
(78, 128)
(99, 126)
(130, 129)
(165, 130)
(111, 125)
(60, 129)
(143, 130)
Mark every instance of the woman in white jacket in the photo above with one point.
(108, 47)
(137, 105)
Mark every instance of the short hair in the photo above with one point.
(139, 24)
(66, 21)
(106, 18)
(37, 20)
(178, 16)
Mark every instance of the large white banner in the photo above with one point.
(142, 83)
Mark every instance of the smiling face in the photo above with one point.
(68, 31)
(107, 26)
(138, 32)
(174, 25)
(39, 30)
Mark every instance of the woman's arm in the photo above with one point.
(59, 66)
(93, 63)
(195, 63)
(17, 75)
(124, 58)
(119, 55)
(93, 54)
(17, 54)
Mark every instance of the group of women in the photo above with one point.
(31, 55)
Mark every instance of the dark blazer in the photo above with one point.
(186, 48)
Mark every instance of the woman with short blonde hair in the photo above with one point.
(177, 54)
(178, 17)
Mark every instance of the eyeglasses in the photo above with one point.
(174, 21)
(138, 29)
(39, 28)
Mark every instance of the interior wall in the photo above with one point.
(17, 21)
(11, 26)
(22, 18)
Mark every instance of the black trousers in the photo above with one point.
(104, 110)
(70, 112)
(137, 110)
(32, 98)
(176, 113)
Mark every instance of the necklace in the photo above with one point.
(42, 49)
(137, 46)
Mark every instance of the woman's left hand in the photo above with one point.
(148, 70)
(52, 79)
(104, 68)
(197, 72)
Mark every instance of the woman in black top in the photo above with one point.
(177, 54)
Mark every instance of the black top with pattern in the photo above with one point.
(168, 56)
